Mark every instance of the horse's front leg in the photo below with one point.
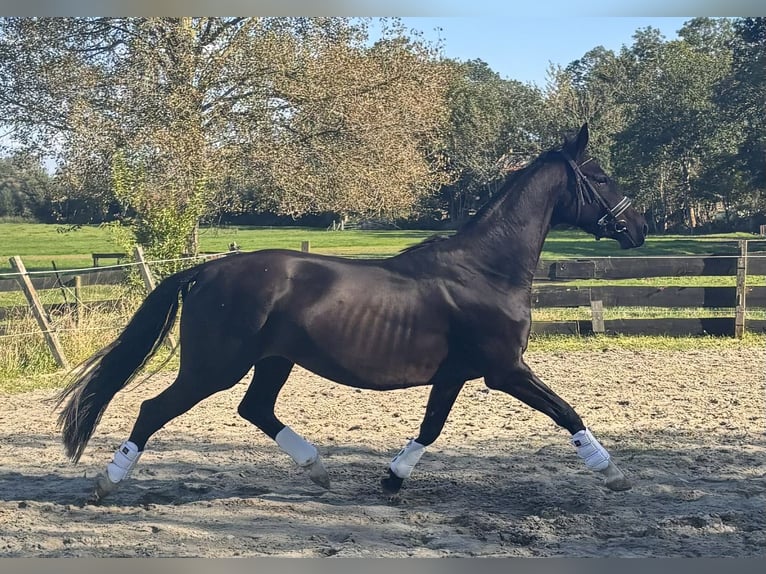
(522, 383)
(440, 402)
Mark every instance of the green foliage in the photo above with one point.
(162, 223)
(301, 115)
(492, 127)
(741, 97)
(677, 151)
(24, 189)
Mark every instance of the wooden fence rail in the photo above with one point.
(88, 277)
(739, 266)
(667, 326)
(568, 270)
(630, 296)
(644, 267)
(58, 309)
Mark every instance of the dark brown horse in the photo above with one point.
(439, 314)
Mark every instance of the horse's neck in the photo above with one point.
(508, 238)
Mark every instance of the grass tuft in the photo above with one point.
(564, 343)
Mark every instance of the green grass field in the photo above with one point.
(39, 244)
(26, 363)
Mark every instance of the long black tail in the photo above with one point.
(101, 376)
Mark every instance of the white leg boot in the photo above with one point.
(597, 458)
(304, 454)
(124, 461)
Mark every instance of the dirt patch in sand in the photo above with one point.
(502, 480)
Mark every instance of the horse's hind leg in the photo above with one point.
(257, 406)
(440, 402)
(523, 384)
(198, 378)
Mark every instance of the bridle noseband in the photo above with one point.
(586, 192)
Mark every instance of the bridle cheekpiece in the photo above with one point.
(587, 193)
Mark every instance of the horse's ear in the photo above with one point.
(582, 139)
(576, 147)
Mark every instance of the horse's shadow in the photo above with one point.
(475, 478)
(449, 479)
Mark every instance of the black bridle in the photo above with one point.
(610, 222)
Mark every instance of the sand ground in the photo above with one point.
(688, 428)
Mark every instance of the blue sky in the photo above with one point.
(521, 48)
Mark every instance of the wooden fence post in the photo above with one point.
(149, 283)
(39, 312)
(78, 299)
(739, 317)
(143, 269)
(305, 246)
(597, 317)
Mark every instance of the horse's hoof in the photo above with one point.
(104, 486)
(318, 474)
(391, 483)
(615, 479)
(618, 485)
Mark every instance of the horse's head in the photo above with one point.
(594, 201)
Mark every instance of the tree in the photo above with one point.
(359, 129)
(672, 127)
(711, 36)
(587, 90)
(741, 97)
(301, 109)
(24, 188)
(493, 122)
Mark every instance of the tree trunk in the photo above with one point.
(663, 201)
(691, 214)
(192, 241)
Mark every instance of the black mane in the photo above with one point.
(426, 242)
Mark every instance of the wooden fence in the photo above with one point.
(547, 294)
(553, 290)
(30, 285)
